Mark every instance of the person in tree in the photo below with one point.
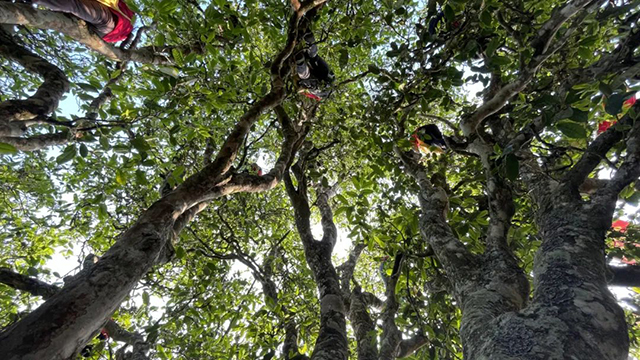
(111, 19)
(313, 71)
(427, 139)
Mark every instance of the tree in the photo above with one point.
(502, 247)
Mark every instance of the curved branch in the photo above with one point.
(46, 98)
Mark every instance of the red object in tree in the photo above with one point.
(104, 335)
(311, 96)
(123, 26)
(417, 143)
(629, 262)
(604, 126)
(629, 102)
(620, 225)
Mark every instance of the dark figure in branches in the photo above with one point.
(427, 139)
(436, 20)
(313, 72)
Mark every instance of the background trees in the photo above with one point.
(428, 258)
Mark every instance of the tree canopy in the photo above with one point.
(349, 242)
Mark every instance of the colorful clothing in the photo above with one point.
(112, 19)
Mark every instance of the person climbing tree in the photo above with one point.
(427, 139)
(111, 19)
(313, 71)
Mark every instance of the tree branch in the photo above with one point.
(36, 142)
(46, 98)
(543, 51)
(76, 29)
(628, 276)
(596, 151)
(40, 288)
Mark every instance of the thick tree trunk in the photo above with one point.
(573, 315)
(64, 323)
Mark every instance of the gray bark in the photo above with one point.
(16, 115)
(332, 343)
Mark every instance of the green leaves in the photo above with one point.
(7, 148)
(67, 154)
(571, 129)
(449, 13)
(579, 115)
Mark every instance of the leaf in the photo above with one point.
(500, 60)
(493, 45)
(449, 14)
(145, 298)
(485, 18)
(67, 154)
(32, 271)
(102, 211)
(605, 89)
(115, 74)
(140, 144)
(512, 166)
(87, 87)
(177, 56)
(344, 57)
(579, 115)
(373, 69)
(121, 178)
(180, 252)
(614, 103)
(7, 148)
(84, 151)
(571, 129)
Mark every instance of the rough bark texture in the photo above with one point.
(332, 343)
(15, 113)
(46, 291)
(572, 314)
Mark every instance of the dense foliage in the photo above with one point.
(396, 69)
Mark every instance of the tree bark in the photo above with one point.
(14, 114)
(332, 343)
(76, 29)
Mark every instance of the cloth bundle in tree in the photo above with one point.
(428, 138)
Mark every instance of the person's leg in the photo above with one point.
(302, 68)
(320, 70)
(94, 13)
(312, 49)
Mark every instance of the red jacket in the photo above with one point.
(123, 26)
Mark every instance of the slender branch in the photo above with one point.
(36, 142)
(596, 151)
(543, 51)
